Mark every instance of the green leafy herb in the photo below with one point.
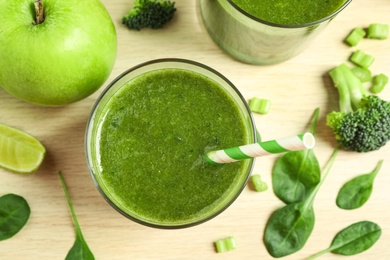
(353, 240)
(296, 173)
(80, 249)
(357, 191)
(14, 213)
(289, 228)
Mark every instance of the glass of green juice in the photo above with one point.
(147, 137)
(267, 32)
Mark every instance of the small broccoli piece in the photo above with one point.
(149, 13)
(363, 122)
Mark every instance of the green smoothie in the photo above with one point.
(290, 11)
(265, 32)
(153, 135)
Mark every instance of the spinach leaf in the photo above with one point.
(289, 228)
(296, 173)
(353, 240)
(357, 191)
(14, 213)
(80, 249)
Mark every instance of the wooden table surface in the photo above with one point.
(296, 88)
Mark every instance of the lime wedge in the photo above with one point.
(19, 151)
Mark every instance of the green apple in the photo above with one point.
(55, 54)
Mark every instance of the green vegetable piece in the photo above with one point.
(355, 36)
(357, 191)
(14, 213)
(362, 123)
(258, 183)
(296, 173)
(149, 14)
(379, 83)
(80, 249)
(353, 240)
(289, 228)
(226, 244)
(362, 59)
(362, 73)
(259, 105)
(350, 88)
(378, 31)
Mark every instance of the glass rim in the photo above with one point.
(290, 26)
(89, 134)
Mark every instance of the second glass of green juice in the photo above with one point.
(267, 32)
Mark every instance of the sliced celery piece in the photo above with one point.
(259, 105)
(362, 73)
(379, 83)
(226, 244)
(355, 36)
(362, 59)
(378, 31)
(258, 183)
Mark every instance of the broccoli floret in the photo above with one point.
(149, 13)
(363, 122)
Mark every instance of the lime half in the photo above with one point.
(19, 151)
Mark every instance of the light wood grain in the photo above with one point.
(296, 88)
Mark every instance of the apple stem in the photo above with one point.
(39, 17)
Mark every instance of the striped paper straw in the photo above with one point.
(292, 143)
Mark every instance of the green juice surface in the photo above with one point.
(290, 12)
(154, 135)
